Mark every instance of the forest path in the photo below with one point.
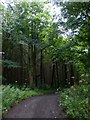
(45, 106)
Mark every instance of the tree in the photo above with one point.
(34, 37)
(24, 23)
(77, 20)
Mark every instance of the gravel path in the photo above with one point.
(45, 106)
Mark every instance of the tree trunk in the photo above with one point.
(41, 68)
(34, 65)
(53, 75)
(21, 63)
(57, 74)
(72, 75)
(65, 73)
(29, 66)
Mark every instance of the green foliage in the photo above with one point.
(9, 64)
(77, 15)
(30, 25)
(75, 101)
(12, 95)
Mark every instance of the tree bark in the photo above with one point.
(53, 74)
(72, 75)
(41, 77)
(57, 74)
(29, 66)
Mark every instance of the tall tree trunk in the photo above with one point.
(34, 65)
(41, 77)
(29, 66)
(60, 73)
(65, 72)
(33, 52)
(68, 74)
(72, 75)
(44, 75)
(57, 78)
(53, 74)
(33, 61)
(21, 62)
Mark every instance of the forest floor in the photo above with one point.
(44, 106)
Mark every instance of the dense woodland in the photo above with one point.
(36, 51)
(46, 45)
(43, 49)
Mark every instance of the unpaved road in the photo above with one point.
(45, 106)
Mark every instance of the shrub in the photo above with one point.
(75, 101)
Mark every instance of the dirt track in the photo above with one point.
(45, 106)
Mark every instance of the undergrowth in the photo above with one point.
(75, 101)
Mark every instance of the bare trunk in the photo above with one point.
(57, 75)
(72, 75)
(53, 75)
(30, 67)
(41, 69)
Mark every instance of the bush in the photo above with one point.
(75, 101)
